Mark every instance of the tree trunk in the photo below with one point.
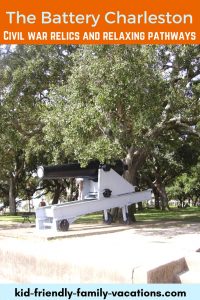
(162, 192)
(57, 192)
(134, 159)
(156, 197)
(160, 187)
(131, 176)
(12, 195)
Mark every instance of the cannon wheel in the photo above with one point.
(110, 219)
(64, 225)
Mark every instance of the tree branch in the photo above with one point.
(180, 124)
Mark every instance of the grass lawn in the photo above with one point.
(188, 214)
(19, 219)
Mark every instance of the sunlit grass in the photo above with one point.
(19, 219)
(188, 214)
(91, 218)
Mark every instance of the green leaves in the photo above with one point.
(27, 74)
(109, 100)
(66, 103)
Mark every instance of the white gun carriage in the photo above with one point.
(103, 188)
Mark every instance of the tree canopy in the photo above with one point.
(27, 75)
(136, 103)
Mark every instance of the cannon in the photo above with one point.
(103, 188)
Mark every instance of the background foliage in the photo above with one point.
(139, 104)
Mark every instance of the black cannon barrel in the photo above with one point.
(66, 171)
(75, 170)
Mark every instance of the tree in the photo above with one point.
(120, 100)
(172, 156)
(27, 75)
(102, 102)
(186, 185)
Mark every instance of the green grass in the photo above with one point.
(188, 214)
(18, 219)
(91, 218)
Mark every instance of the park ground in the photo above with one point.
(92, 252)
